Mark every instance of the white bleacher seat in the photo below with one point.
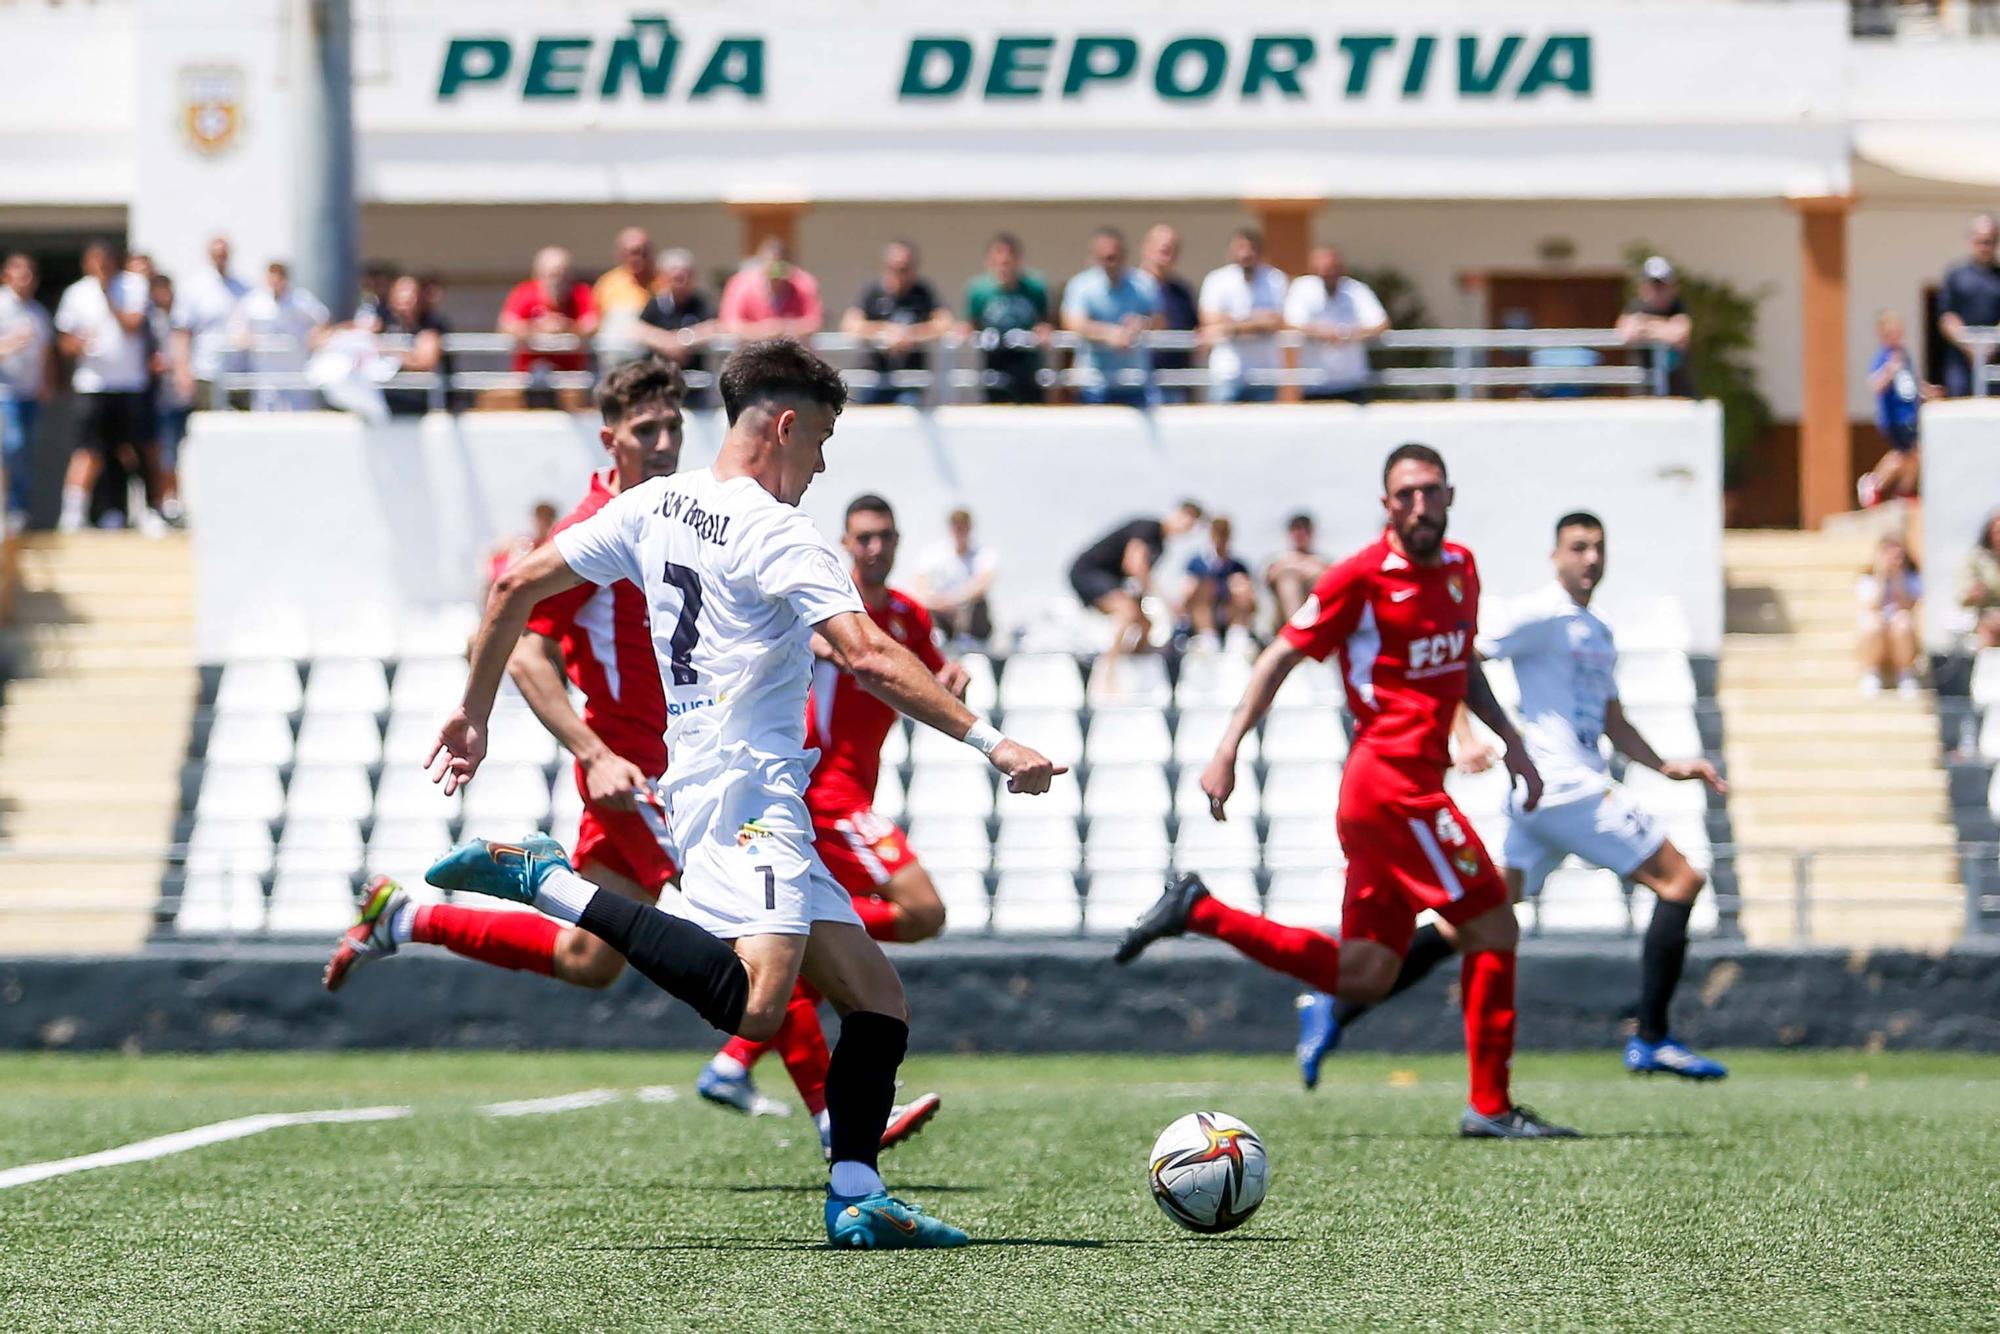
(437, 631)
(427, 686)
(339, 738)
(1064, 797)
(239, 792)
(1126, 736)
(563, 826)
(1311, 685)
(1126, 791)
(1041, 681)
(982, 687)
(1211, 681)
(346, 685)
(1305, 898)
(565, 798)
(516, 736)
(1037, 844)
(1500, 676)
(1303, 843)
(1118, 897)
(1646, 679)
(1198, 732)
(330, 792)
(1305, 734)
(966, 905)
(229, 847)
(1037, 903)
(357, 630)
(249, 738)
(1689, 833)
(1128, 845)
(1205, 846)
(896, 745)
(1304, 789)
(932, 749)
(505, 800)
(949, 791)
(1663, 797)
(409, 737)
(330, 846)
(268, 632)
(1671, 729)
(310, 902)
(423, 831)
(1580, 898)
(259, 685)
(1986, 678)
(407, 792)
(219, 903)
(889, 794)
(1054, 732)
(1649, 626)
(1246, 803)
(1130, 682)
(1237, 888)
(1482, 795)
(951, 843)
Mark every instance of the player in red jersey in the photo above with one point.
(603, 638)
(866, 852)
(1401, 614)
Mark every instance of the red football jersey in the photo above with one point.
(607, 648)
(1404, 636)
(848, 725)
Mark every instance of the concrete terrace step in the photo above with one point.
(1859, 807)
(1861, 724)
(1913, 755)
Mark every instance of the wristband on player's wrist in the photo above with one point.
(984, 737)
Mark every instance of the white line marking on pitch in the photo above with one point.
(658, 1093)
(183, 1140)
(565, 1102)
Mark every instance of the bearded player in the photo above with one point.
(866, 852)
(1402, 615)
(601, 635)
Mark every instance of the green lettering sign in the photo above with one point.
(1361, 52)
(1277, 60)
(628, 55)
(551, 71)
(1420, 66)
(1475, 82)
(936, 67)
(1212, 57)
(738, 63)
(473, 60)
(1564, 61)
(1019, 65)
(1099, 60)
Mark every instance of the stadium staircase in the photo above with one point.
(1855, 783)
(92, 731)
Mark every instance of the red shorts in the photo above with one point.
(628, 842)
(1407, 853)
(862, 849)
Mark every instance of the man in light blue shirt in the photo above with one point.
(1112, 307)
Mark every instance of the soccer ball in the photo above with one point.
(1208, 1171)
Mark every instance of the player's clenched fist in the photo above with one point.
(1027, 770)
(1218, 780)
(455, 758)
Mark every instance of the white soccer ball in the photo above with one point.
(1208, 1171)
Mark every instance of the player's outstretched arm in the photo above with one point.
(461, 742)
(536, 669)
(1626, 740)
(899, 679)
(1274, 664)
(1486, 708)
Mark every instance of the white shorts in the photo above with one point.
(744, 843)
(1604, 829)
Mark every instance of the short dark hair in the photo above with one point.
(1008, 239)
(1250, 234)
(1192, 506)
(379, 268)
(870, 503)
(637, 383)
(1300, 520)
(1107, 230)
(1413, 453)
(778, 368)
(1578, 519)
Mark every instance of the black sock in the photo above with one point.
(676, 955)
(1661, 958)
(1428, 949)
(861, 1083)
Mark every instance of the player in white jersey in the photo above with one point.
(737, 582)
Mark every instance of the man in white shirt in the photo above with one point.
(953, 580)
(279, 325)
(27, 375)
(101, 323)
(203, 311)
(738, 583)
(1242, 310)
(1338, 314)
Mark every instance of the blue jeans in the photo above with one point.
(17, 432)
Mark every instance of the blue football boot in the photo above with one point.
(504, 870)
(884, 1223)
(1319, 1034)
(1669, 1057)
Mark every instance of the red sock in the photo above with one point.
(744, 1052)
(1486, 984)
(801, 1044)
(1293, 950)
(878, 916)
(523, 940)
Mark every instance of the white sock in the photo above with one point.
(564, 895)
(74, 501)
(823, 1121)
(403, 926)
(727, 1066)
(852, 1179)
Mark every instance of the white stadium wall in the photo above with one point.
(1961, 487)
(318, 515)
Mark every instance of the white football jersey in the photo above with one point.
(734, 581)
(1565, 661)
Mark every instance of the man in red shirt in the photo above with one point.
(866, 852)
(1401, 614)
(550, 301)
(771, 297)
(604, 639)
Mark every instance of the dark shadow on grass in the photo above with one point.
(632, 1187)
(821, 1189)
(1439, 1136)
(1053, 1243)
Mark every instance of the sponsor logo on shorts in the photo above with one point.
(1466, 861)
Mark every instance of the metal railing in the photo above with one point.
(1985, 371)
(1467, 368)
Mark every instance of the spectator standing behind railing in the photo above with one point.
(899, 314)
(1242, 310)
(679, 320)
(1970, 298)
(1979, 586)
(1007, 300)
(204, 306)
(1159, 252)
(771, 297)
(1291, 573)
(27, 378)
(371, 311)
(626, 286)
(408, 316)
(1888, 593)
(101, 323)
(1898, 396)
(1338, 314)
(954, 581)
(279, 324)
(1112, 308)
(548, 303)
(171, 401)
(1656, 315)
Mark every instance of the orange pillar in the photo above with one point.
(1825, 451)
(765, 219)
(1287, 228)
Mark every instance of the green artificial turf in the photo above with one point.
(1821, 1191)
